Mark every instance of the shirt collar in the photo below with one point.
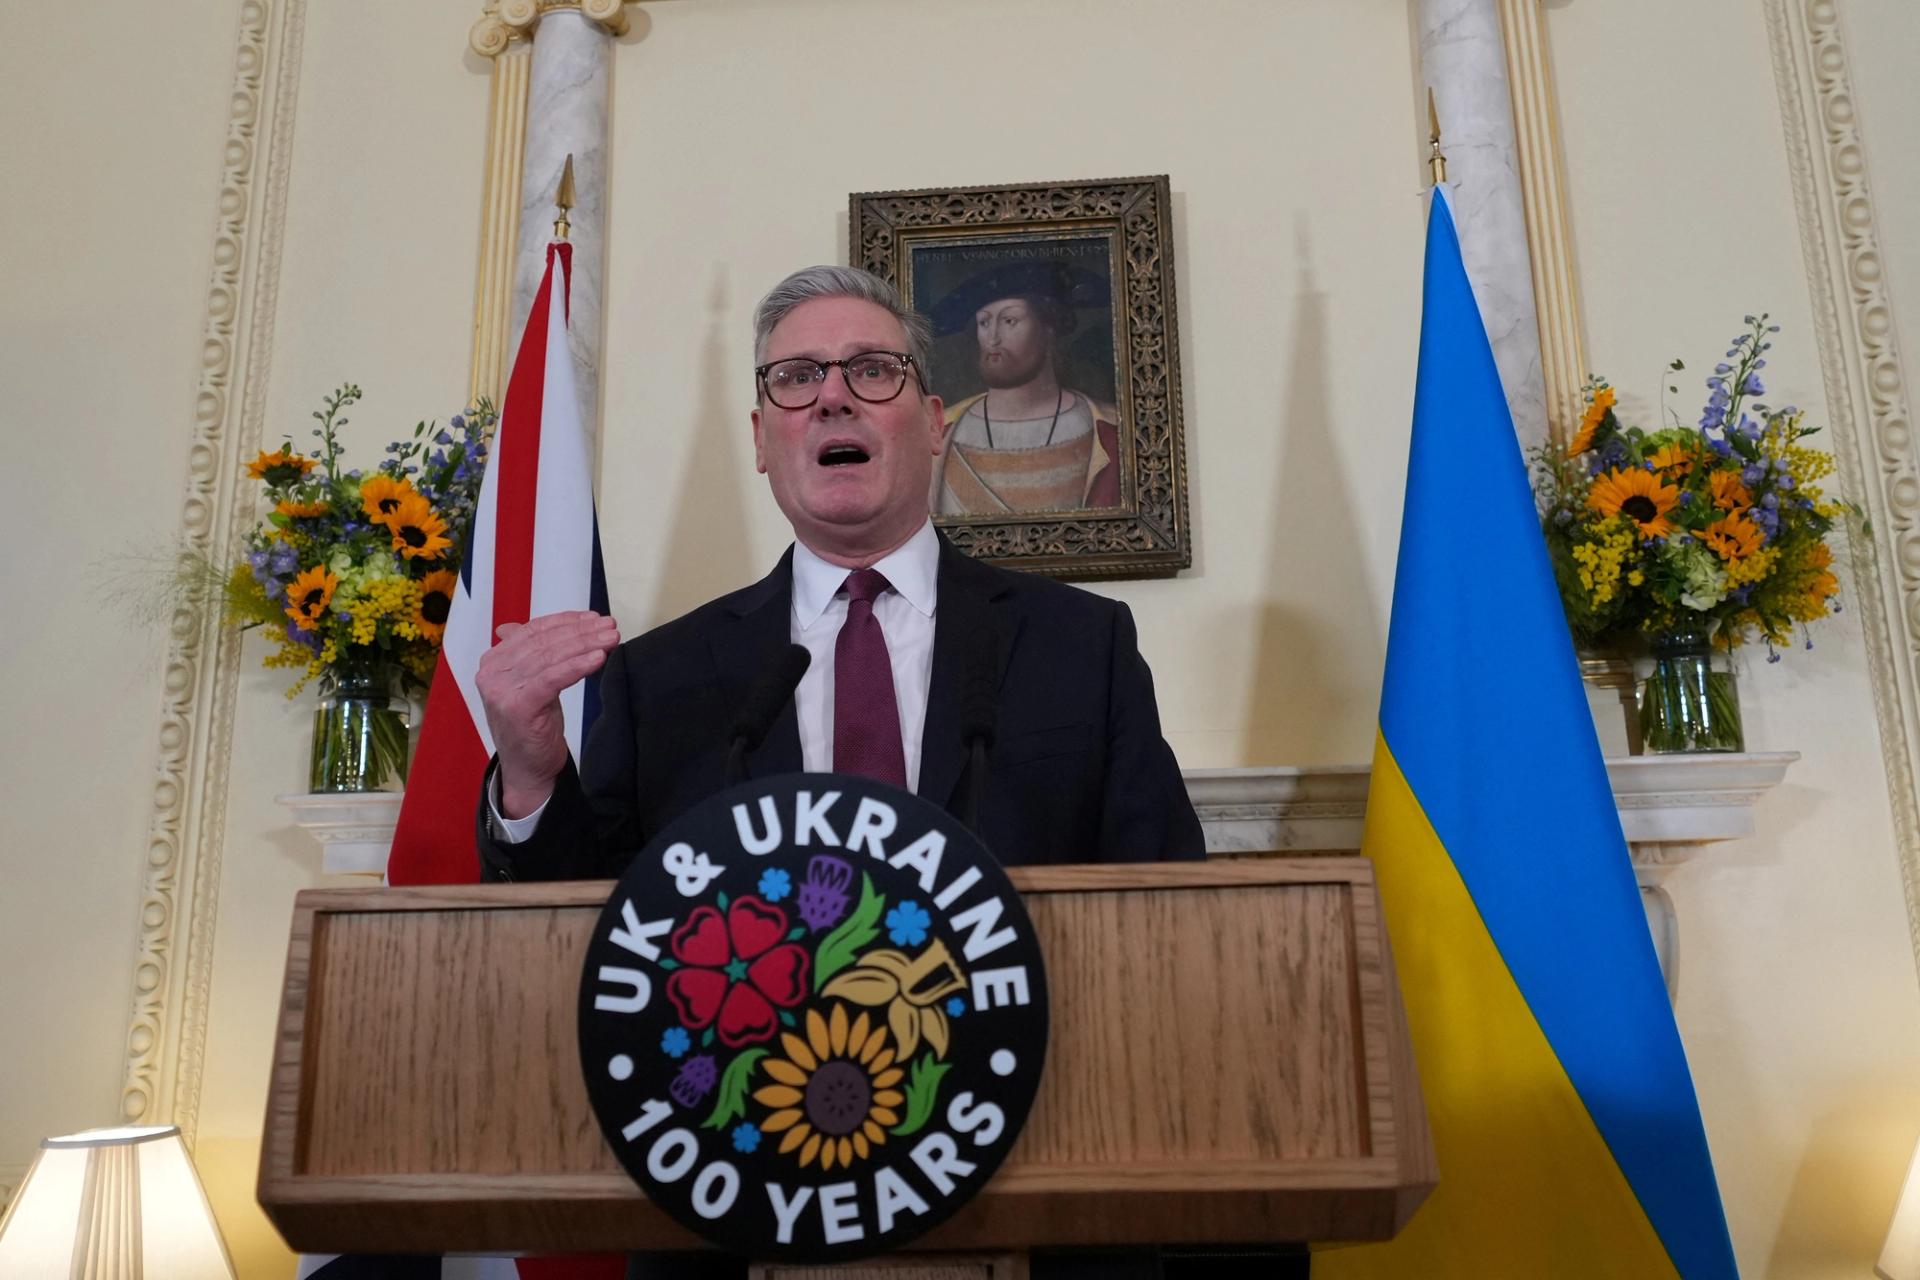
(913, 568)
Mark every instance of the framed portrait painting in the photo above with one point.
(1056, 355)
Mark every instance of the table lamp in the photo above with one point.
(116, 1204)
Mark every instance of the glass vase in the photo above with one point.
(359, 729)
(1688, 701)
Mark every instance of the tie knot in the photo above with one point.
(864, 585)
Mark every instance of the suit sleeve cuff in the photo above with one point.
(510, 830)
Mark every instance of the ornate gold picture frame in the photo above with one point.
(1057, 357)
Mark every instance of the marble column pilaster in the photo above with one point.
(567, 104)
(1463, 60)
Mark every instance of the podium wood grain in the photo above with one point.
(1228, 1063)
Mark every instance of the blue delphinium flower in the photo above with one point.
(746, 1138)
(907, 924)
(284, 559)
(1752, 386)
(675, 1042)
(775, 884)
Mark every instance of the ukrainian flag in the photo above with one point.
(1564, 1119)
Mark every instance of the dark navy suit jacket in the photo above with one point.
(1078, 771)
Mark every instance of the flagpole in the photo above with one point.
(564, 198)
(1436, 161)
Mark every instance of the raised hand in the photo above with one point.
(520, 681)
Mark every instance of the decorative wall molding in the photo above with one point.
(499, 221)
(11, 1176)
(173, 970)
(1865, 384)
(506, 22)
(1536, 145)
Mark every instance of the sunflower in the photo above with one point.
(309, 596)
(280, 468)
(836, 1092)
(1729, 493)
(381, 495)
(1641, 496)
(1673, 460)
(301, 510)
(418, 531)
(1733, 537)
(436, 599)
(1590, 422)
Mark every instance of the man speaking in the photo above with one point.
(918, 656)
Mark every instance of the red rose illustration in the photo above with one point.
(736, 971)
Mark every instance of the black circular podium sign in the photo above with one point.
(813, 1018)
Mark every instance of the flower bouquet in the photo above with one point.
(352, 575)
(1686, 542)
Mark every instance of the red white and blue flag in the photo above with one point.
(534, 549)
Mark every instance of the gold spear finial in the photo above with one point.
(564, 199)
(1436, 162)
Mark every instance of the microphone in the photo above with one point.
(763, 706)
(979, 722)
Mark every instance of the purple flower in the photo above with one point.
(1753, 386)
(824, 895)
(258, 561)
(695, 1081)
(442, 438)
(1769, 501)
(283, 559)
(1753, 474)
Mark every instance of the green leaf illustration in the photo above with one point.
(668, 962)
(839, 948)
(731, 1101)
(720, 901)
(707, 1039)
(923, 1087)
(788, 1020)
(799, 931)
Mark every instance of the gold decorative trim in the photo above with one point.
(1864, 382)
(1537, 151)
(166, 1038)
(504, 23)
(499, 222)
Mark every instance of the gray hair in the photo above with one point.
(843, 282)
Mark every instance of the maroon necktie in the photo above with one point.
(866, 718)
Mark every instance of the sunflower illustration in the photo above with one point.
(836, 1092)
(1640, 496)
(436, 600)
(309, 596)
(418, 531)
(381, 495)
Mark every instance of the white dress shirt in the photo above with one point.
(905, 615)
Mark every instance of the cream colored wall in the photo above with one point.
(740, 126)
(1797, 974)
(107, 216)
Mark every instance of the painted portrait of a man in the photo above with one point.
(1024, 361)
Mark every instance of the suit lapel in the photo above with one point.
(967, 614)
(758, 626)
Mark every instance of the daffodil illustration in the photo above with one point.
(910, 988)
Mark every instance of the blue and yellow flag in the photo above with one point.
(1564, 1119)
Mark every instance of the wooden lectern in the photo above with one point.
(1244, 1077)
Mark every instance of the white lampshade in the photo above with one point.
(116, 1204)
(1900, 1259)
